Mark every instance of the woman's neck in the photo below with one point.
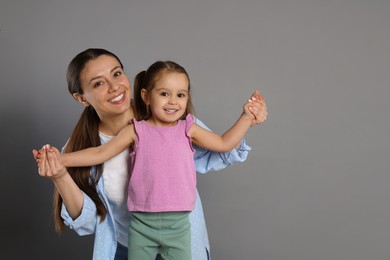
(111, 125)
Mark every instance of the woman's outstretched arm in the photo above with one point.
(49, 166)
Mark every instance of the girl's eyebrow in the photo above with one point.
(94, 78)
(183, 90)
(162, 89)
(167, 89)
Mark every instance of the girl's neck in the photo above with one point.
(113, 124)
(155, 122)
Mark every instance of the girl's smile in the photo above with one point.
(168, 99)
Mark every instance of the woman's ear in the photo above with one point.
(81, 99)
(144, 96)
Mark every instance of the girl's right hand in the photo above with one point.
(49, 162)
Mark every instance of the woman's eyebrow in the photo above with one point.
(99, 76)
(116, 67)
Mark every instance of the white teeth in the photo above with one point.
(170, 110)
(116, 99)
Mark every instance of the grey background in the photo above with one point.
(315, 186)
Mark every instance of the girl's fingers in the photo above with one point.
(256, 94)
(257, 107)
(251, 114)
(56, 159)
(57, 153)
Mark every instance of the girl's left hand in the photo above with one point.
(257, 107)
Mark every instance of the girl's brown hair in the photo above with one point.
(147, 80)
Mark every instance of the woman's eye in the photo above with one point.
(117, 74)
(97, 84)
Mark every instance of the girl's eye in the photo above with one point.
(181, 95)
(164, 94)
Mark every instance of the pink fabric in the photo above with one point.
(162, 168)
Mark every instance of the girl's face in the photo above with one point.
(168, 99)
(106, 87)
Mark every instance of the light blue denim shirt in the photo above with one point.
(105, 234)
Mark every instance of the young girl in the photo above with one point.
(162, 186)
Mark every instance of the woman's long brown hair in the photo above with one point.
(84, 135)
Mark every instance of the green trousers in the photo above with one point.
(167, 233)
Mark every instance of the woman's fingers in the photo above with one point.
(51, 160)
(42, 165)
(57, 169)
(35, 153)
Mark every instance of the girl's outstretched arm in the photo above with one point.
(97, 155)
(207, 161)
(233, 136)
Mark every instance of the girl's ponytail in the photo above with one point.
(141, 110)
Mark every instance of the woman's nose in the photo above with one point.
(112, 86)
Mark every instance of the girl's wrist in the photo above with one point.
(247, 118)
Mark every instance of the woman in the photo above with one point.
(91, 199)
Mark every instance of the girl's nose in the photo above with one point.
(172, 100)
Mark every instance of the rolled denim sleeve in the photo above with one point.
(85, 223)
(206, 160)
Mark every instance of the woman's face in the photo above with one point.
(106, 87)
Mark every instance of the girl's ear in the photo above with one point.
(81, 99)
(144, 96)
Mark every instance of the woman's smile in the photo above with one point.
(118, 99)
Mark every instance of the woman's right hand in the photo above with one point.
(49, 165)
(49, 162)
